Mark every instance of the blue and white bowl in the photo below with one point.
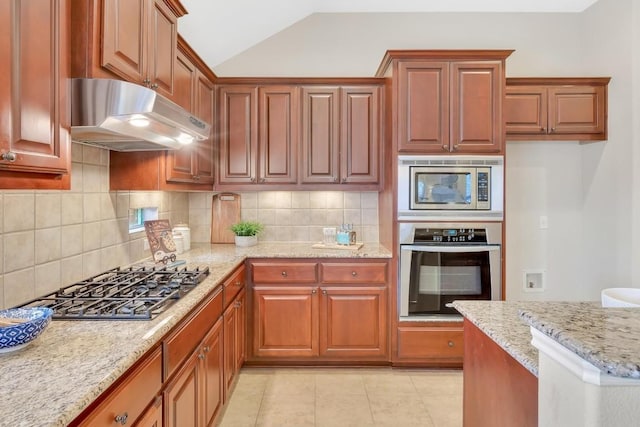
(17, 336)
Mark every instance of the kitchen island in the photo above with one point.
(60, 374)
(584, 363)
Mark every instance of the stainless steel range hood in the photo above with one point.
(124, 116)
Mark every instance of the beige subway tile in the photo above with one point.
(300, 200)
(182, 199)
(104, 179)
(369, 200)
(248, 200)
(1, 216)
(318, 200)
(315, 234)
(72, 208)
(267, 200)
(199, 217)
(1, 253)
(91, 236)
(283, 217)
(109, 258)
(352, 216)
(351, 200)
(137, 251)
(249, 214)
(370, 235)
(91, 263)
(71, 240)
(71, 270)
(48, 210)
(335, 217)
(300, 234)
(300, 217)
(369, 216)
(91, 155)
(47, 245)
(91, 207)
(200, 234)
(91, 178)
(19, 211)
(47, 278)
(122, 204)
(109, 233)
(283, 199)
(108, 205)
(76, 177)
(19, 287)
(19, 250)
(335, 200)
(76, 152)
(3, 305)
(104, 157)
(267, 216)
(318, 217)
(197, 200)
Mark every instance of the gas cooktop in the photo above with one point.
(134, 293)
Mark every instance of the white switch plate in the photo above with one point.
(544, 222)
(533, 280)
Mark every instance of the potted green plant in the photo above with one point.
(247, 232)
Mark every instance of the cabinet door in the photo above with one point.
(476, 107)
(237, 133)
(285, 322)
(360, 134)
(162, 42)
(278, 134)
(153, 415)
(353, 322)
(241, 327)
(124, 38)
(423, 106)
(320, 135)
(204, 109)
(183, 396)
(213, 376)
(577, 110)
(525, 110)
(34, 102)
(180, 166)
(229, 320)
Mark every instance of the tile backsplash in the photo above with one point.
(294, 216)
(50, 239)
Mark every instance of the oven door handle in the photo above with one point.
(452, 249)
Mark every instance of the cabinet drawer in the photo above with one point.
(182, 342)
(430, 343)
(284, 272)
(354, 272)
(233, 286)
(132, 396)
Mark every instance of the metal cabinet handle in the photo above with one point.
(154, 86)
(543, 130)
(201, 356)
(253, 179)
(314, 291)
(451, 343)
(8, 156)
(238, 304)
(445, 148)
(324, 292)
(344, 179)
(354, 273)
(335, 179)
(284, 274)
(238, 283)
(206, 349)
(262, 180)
(455, 147)
(121, 419)
(553, 130)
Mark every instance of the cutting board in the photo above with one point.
(225, 211)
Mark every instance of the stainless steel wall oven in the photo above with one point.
(443, 262)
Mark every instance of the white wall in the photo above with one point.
(579, 187)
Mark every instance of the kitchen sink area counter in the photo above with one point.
(55, 378)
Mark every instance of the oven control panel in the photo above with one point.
(450, 235)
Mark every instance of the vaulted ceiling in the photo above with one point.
(221, 29)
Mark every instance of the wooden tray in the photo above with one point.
(353, 247)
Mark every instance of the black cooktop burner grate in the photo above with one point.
(134, 293)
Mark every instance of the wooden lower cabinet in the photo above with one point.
(182, 396)
(234, 336)
(213, 373)
(336, 311)
(153, 416)
(437, 344)
(498, 390)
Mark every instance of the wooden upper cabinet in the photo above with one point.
(237, 133)
(139, 42)
(277, 134)
(320, 135)
(34, 94)
(360, 134)
(447, 101)
(556, 109)
(423, 106)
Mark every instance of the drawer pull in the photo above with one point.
(451, 343)
(206, 349)
(201, 356)
(238, 283)
(121, 419)
(314, 291)
(324, 292)
(354, 273)
(284, 274)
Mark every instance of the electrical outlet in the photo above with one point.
(533, 280)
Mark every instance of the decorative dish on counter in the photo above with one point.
(20, 326)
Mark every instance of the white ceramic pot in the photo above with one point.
(246, 241)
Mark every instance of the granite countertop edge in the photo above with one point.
(102, 363)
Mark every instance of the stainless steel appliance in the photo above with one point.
(443, 262)
(124, 116)
(451, 188)
(134, 293)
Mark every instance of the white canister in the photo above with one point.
(178, 240)
(186, 234)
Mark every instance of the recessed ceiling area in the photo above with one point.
(219, 30)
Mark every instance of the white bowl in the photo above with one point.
(620, 297)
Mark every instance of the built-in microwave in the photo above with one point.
(450, 187)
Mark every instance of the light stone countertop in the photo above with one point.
(500, 321)
(59, 374)
(608, 338)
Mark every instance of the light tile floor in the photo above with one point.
(342, 397)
